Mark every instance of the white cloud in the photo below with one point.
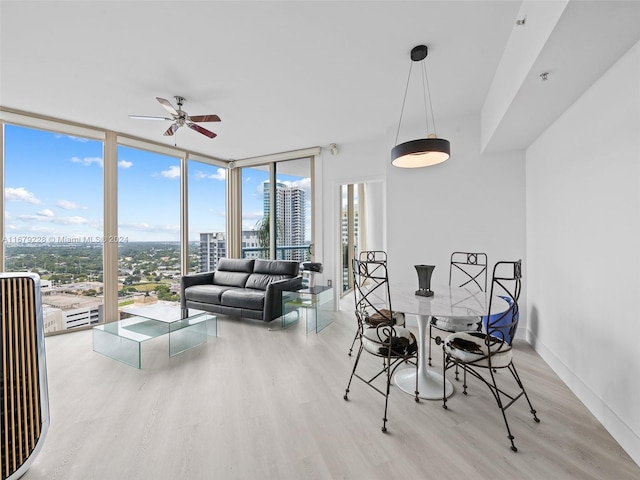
(73, 220)
(68, 205)
(249, 219)
(20, 194)
(87, 161)
(221, 174)
(76, 139)
(125, 164)
(145, 227)
(48, 216)
(303, 184)
(173, 172)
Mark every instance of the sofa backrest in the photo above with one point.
(277, 267)
(267, 271)
(233, 272)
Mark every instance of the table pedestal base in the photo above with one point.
(429, 383)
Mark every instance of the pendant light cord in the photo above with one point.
(425, 79)
(426, 95)
(406, 89)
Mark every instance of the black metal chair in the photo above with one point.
(482, 354)
(381, 333)
(469, 270)
(371, 291)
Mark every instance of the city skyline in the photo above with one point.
(64, 200)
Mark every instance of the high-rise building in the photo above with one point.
(213, 247)
(291, 217)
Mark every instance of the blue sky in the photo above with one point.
(53, 189)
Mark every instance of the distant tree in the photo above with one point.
(263, 232)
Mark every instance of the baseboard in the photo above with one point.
(619, 430)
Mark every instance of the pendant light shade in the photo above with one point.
(423, 152)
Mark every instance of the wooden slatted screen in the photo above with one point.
(20, 397)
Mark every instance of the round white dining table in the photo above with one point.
(446, 302)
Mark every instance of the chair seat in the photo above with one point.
(470, 347)
(383, 316)
(376, 341)
(456, 324)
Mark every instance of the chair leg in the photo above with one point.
(444, 378)
(417, 399)
(353, 372)
(386, 397)
(496, 393)
(430, 337)
(464, 378)
(358, 335)
(512, 369)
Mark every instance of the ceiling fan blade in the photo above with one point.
(167, 106)
(203, 131)
(145, 117)
(171, 130)
(205, 118)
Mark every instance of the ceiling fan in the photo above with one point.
(181, 118)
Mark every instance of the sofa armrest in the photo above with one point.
(273, 296)
(193, 279)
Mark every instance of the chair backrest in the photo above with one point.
(468, 269)
(506, 284)
(371, 288)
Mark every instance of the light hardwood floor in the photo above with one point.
(255, 403)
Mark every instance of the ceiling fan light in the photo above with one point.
(423, 152)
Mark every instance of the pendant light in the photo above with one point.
(423, 152)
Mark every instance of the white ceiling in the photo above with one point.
(281, 75)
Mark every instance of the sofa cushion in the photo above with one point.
(233, 272)
(287, 268)
(261, 281)
(205, 293)
(231, 279)
(246, 298)
(236, 265)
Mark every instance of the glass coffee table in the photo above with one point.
(123, 340)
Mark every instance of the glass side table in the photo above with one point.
(316, 303)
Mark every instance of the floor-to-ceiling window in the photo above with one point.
(207, 216)
(148, 226)
(53, 199)
(112, 214)
(277, 210)
(350, 233)
(293, 210)
(256, 236)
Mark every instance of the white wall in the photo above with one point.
(583, 226)
(355, 163)
(472, 202)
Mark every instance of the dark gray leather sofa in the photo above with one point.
(243, 288)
